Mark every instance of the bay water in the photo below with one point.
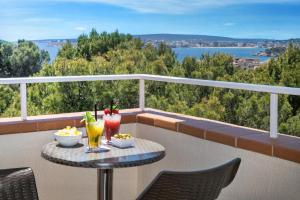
(243, 52)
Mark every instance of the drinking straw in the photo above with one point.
(96, 111)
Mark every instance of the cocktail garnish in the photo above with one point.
(88, 118)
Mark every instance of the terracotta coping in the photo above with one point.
(284, 147)
(54, 122)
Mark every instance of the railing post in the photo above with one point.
(142, 94)
(274, 115)
(23, 101)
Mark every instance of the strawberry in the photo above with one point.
(115, 111)
(106, 111)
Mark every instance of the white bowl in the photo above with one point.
(68, 140)
(122, 143)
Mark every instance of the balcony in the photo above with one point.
(270, 167)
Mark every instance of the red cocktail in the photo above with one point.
(112, 125)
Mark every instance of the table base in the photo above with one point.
(105, 184)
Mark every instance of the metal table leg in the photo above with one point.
(105, 184)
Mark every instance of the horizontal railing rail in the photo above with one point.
(273, 90)
(170, 79)
(58, 79)
(225, 84)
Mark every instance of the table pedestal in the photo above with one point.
(105, 184)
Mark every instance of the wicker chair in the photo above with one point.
(17, 184)
(197, 185)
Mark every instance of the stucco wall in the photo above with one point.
(260, 177)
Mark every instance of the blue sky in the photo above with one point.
(43, 19)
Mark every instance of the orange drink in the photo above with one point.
(94, 132)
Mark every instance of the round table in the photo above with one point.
(144, 152)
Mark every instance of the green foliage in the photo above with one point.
(291, 126)
(67, 51)
(208, 108)
(6, 97)
(96, 44)
(6, 51)
(115, 53)
(254, 112)
(22, 59)
(189, 64)
(13, 108)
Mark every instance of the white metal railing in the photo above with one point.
(273, 90)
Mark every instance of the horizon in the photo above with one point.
(67, 19)
(166, 34)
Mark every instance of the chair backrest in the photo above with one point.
(17, 184)
(197, 185)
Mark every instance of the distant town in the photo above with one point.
(201, 43)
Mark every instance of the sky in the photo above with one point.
(45, 19)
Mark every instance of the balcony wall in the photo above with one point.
(191, 144)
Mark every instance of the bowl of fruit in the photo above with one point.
(68, 136)
(122, 140)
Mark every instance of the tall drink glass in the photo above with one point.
(112, 125)
(94, 132)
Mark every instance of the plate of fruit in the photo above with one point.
(68, 136)
(122, 140)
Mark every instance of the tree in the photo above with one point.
(6, 50)
(291, 126)
(6, 97)
(21, 60)
(67, 51)
(208, 108)
(189, 64)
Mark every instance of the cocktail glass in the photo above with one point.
(94, 132)
(112, 125)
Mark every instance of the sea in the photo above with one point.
(243, 52)
(237, 52)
